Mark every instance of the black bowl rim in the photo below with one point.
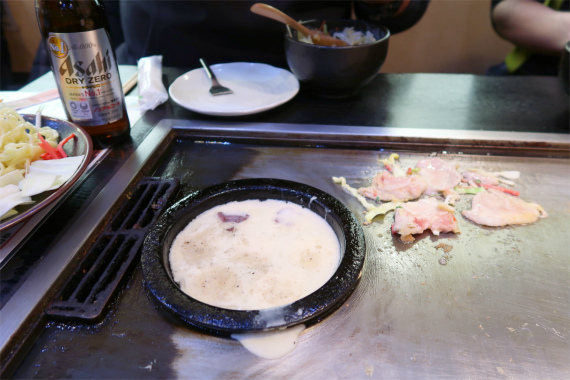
(363, 46)
(218, 320)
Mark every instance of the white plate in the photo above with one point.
(256, 87)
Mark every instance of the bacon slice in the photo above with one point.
(496, 209)
(474, 176)
(482, 177)
(440, 175)
(388, 187)
(426, 214)
(232, 218)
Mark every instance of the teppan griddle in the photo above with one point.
(499, 308)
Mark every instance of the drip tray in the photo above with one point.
(86, 295)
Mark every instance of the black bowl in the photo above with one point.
(337, 71)
(329, 297)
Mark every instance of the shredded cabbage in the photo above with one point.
(353, 37)
(348, 35)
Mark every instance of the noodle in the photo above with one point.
(19, 141)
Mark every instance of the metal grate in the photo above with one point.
(86, 295)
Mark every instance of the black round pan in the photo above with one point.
(308, 310)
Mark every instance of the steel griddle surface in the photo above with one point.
(499, 308)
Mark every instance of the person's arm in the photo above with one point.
(396, 15)
(532, 25)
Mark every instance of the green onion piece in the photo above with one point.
(468, 190)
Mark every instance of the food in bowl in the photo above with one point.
(337, 71)
(254, 255)
(349, 35)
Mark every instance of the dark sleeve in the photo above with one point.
(377, 14)
(112, 8)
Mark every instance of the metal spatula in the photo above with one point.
(217, 88)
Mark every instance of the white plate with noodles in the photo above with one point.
(16, 145)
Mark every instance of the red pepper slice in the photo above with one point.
(62, 143)
(504, 190)
(47, 147)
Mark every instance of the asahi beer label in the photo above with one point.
(87, 76)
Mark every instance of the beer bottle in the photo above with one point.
(77, 40)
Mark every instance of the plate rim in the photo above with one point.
(57, 193)
(180, 79)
